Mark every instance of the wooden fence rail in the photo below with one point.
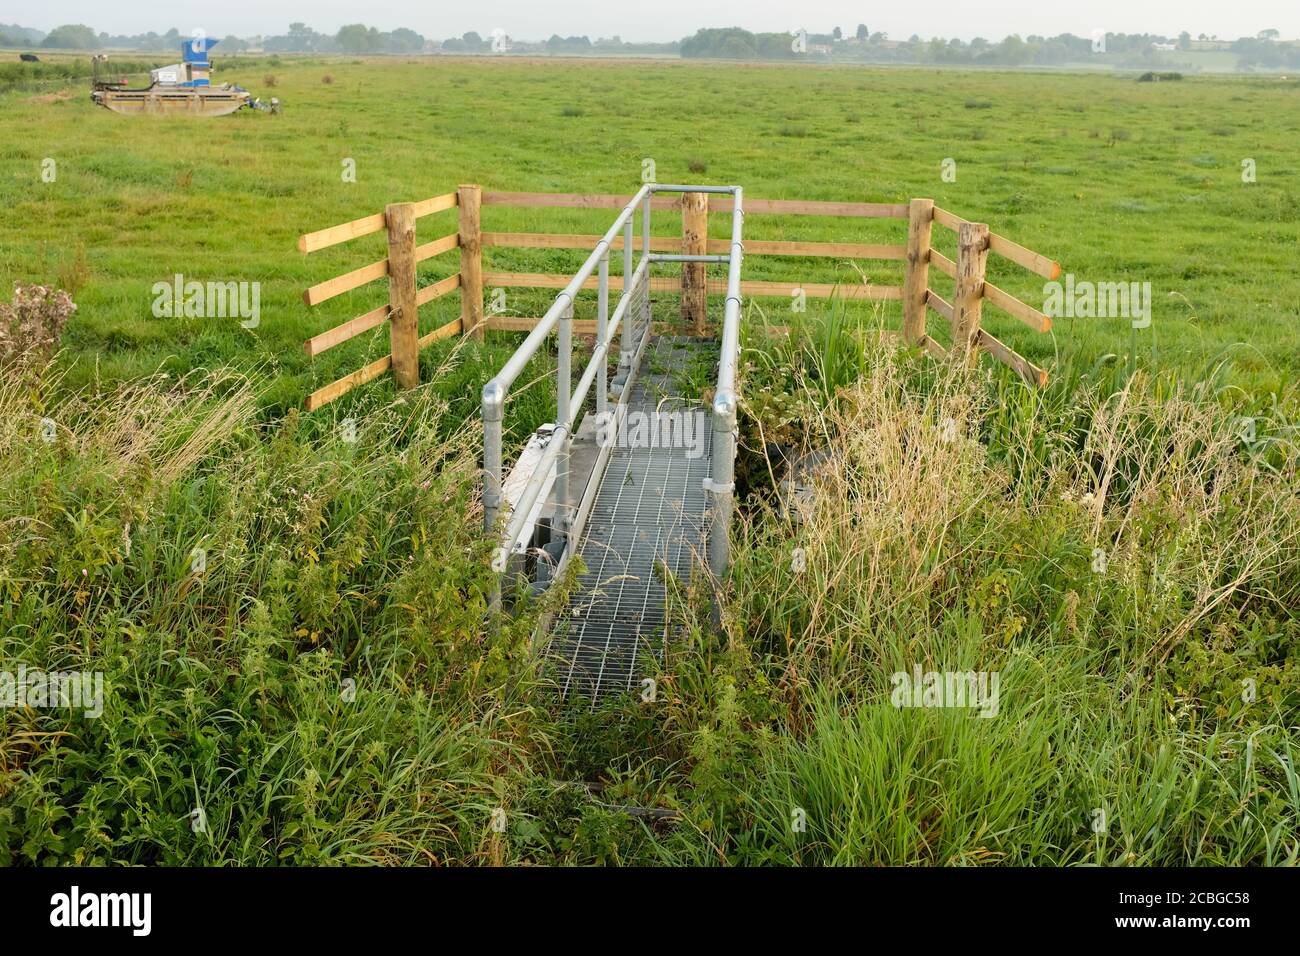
(964, 314)
(404, 297)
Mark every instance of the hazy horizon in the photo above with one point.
(675, 19)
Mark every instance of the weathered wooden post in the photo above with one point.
(403, 314)
(916, 282)
(470, 198)
(967, 303)
(695, 242)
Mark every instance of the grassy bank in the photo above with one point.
(1111, 548)
(1147, 698)
(228, 579)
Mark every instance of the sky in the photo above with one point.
(662, 20)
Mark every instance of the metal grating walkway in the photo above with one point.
(648, 515)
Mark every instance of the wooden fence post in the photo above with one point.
(920, 216)
(695, 239)
(470, 198)
(403, 313)
(967, 303)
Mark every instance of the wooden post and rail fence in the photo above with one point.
(964, 314)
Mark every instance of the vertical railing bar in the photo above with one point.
(493, 408)
(563, 396)
(602, 332)
(645, 226)
(645, 254)
(625, 352)
(722, 480)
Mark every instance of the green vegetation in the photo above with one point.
(226, 672)
(51, 70)
(1042, 166)
(1123, 51)
(1085, 543)
(290, 615)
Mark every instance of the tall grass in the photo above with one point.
(228, 577)
(18, 76)
(1114, 550)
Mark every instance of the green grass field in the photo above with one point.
(1119, 181)
(1113, 546)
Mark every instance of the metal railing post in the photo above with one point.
(602, 334)
(625, 350)
(722, 480)
(493, 413)
(563, 396)
(491, 461)
(645, 253)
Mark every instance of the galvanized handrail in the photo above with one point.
(568, 403)
(496, 391)
(722, 483)
(597, 370)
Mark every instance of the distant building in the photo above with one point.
(1164, 47)
(825, 49)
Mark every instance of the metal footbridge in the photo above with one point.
(636, 480)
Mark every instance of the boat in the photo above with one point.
(182, 89)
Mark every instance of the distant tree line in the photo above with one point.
(1127, 49)
(11, 34)
(354, 38)
(733, 43)
(1266, 53)
(1131, 50)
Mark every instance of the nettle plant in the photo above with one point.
(32, 325)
